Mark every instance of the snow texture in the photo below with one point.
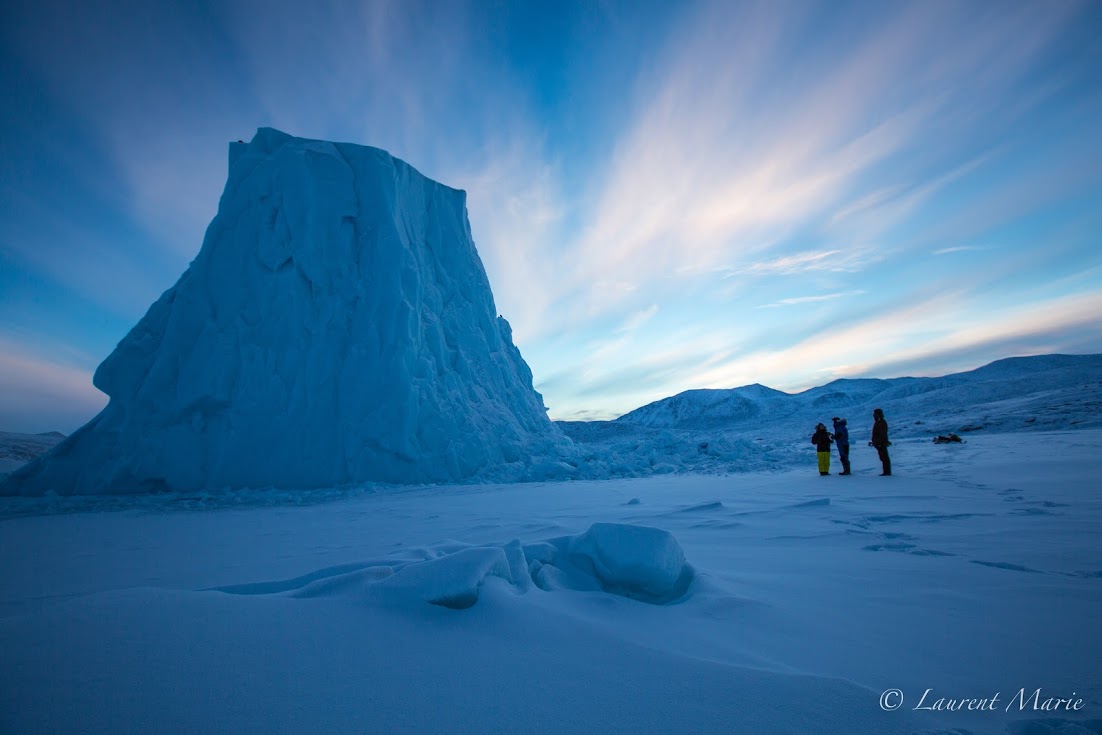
(337, 326)
(975, 570)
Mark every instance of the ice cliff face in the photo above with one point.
(337, 326)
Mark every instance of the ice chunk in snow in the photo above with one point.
(644, 563)
(454, 580)
(337, 326)
(633, 561)
(636, 561)
(550, 578)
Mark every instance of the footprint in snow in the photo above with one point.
(1031, 512)
(923, 517)
(1007, 566)
(897, 546)
(701, 507)
(1085, 575)
(906, 548)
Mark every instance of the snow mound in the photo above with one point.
(646, 564)
(635, 561)
(453, 581)
(336, 327)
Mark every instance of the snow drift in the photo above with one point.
(640, 562)
(337, 326)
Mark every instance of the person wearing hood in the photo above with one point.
(880, 441)
(822, 440)
(841, 439)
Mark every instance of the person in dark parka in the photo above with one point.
(880, 441)
(841, 439)
(822, 439)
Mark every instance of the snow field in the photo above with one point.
(975, 570)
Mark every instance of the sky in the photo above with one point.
(665, 196)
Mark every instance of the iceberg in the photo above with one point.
(336, 327)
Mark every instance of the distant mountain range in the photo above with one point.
(1017, 391)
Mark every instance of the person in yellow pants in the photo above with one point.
(822, 440)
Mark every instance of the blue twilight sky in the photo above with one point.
(666, 195)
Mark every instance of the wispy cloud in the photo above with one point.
(948, 323)
(516, 214)
(638, 319)
(870, 220)
(588, 415)
(619, 381)
(957, 249)
(810, 299)
(607, 353)
(789, 264)
(89, 264)
(717, 167)
(695, 171)
(38, 394)
(865, 202)
(752, 150)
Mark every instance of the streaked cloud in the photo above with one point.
(958, 249)
(950, 321)
(648, 186)
(638, 319)
(793, 301)
(790, 265)
(516, 216)
(39, 395)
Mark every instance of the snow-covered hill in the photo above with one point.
(1038, 391)
(711, 407)
(756, 428)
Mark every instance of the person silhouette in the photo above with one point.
(880, 441)
(822, 440)
(841, 440)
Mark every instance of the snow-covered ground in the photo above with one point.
(767, 602)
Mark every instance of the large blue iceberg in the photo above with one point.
(337, 326)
